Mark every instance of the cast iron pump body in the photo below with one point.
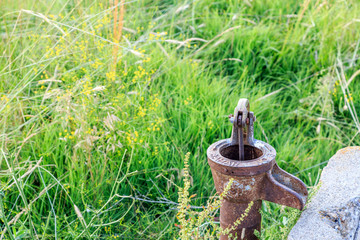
(256, 176)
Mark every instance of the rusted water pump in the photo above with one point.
(251, 163)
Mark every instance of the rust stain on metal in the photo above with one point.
(257, 177)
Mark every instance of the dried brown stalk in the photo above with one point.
(118, 26)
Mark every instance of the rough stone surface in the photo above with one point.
(334, 211)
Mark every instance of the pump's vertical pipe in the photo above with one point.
(230, 212)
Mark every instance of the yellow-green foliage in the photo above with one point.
(94, 124)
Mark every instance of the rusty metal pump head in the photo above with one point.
(256, 176)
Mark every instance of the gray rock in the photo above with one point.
(334, 211)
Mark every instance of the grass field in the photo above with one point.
(96, 119)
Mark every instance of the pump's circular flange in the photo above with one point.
(259, 158)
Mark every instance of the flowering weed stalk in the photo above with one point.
(200, 224)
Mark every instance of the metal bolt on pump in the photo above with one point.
(251, 163)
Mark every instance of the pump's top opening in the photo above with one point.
(232, 152)
(224, 157)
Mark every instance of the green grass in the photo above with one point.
(86, 153)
